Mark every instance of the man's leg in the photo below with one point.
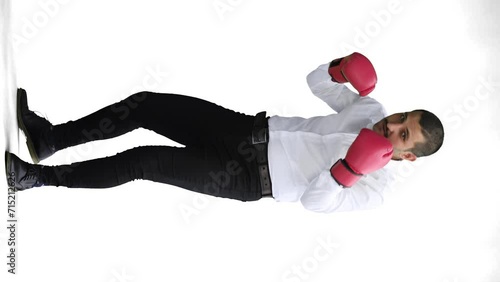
(184, 119)
(218, 170)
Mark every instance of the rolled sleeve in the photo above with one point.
(336, 95)
(325, 195)
(322, 194)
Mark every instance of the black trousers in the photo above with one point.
(218, 158)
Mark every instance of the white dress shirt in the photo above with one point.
(302, 151)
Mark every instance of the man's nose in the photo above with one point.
(392, 127)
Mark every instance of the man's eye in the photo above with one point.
(403, 135)
(402, 117)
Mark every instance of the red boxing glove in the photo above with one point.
(369, 152)
(355, 69)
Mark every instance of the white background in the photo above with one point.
(440, 221)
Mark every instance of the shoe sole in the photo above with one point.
(29, 142)
(8, 169)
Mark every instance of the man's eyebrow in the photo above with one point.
(407, 129)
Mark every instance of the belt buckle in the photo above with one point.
(259, 136)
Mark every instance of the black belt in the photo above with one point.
(260, 139)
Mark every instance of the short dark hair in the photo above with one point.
(433, 132)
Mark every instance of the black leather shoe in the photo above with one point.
(38, 130)
(20, 174)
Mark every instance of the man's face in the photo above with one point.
(403, 131)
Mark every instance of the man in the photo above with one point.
(328, 163)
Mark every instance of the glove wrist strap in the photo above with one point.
(343, 174)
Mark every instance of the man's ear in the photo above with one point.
(409, 156)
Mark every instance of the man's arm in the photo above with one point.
(336, 95)
(368, 153)
(326, 196)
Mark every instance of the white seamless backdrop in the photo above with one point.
(440, 222)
